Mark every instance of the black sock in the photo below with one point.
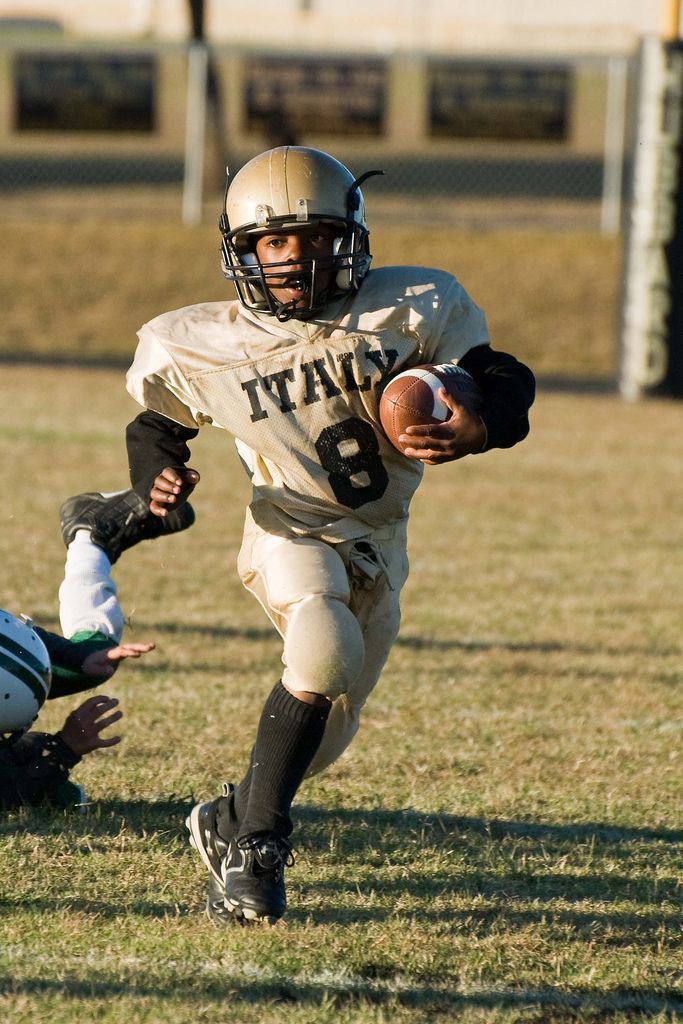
(227, 821)
(241, 799)
(232, 808)
(288, 736)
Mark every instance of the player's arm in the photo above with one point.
(507, 386)
(63, 653)
(79, 665)
(508, 389)
(157, 455)
(100, 665)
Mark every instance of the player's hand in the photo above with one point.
(462, 434)
(81, 731)
(171, 488)
(101, 665)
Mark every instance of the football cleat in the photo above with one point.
(216, 908)
(254, 870)
(211, 847)
(118, 521)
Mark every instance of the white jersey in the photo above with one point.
(301, 397)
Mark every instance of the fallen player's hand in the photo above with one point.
(171, 488)
(101, 665)
(462, 434)
(81, 730)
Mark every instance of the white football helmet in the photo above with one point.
(25, 675)
(284, 189)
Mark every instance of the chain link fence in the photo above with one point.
(476, 141)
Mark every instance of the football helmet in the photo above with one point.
(25, 675)
(283, 189)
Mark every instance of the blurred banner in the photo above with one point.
(347, 96)
(78, 92)
(498, 100)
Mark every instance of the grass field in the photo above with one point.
(502, 843)
(82, 287)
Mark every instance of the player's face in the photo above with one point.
(294, 282)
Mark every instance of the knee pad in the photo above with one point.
(324, 648)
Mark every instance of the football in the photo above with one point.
(411, 397)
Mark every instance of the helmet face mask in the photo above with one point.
(25, 676)
(287, 191)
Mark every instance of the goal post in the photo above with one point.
(651, 328)
(673, 11)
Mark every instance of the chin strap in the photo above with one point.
(285, 311)
(288, 310)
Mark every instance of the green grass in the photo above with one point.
(502, 842)
(83, 288)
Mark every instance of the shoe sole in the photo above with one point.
(251, 916)
(218, 911)
(229, 920)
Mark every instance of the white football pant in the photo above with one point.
(336, 607)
